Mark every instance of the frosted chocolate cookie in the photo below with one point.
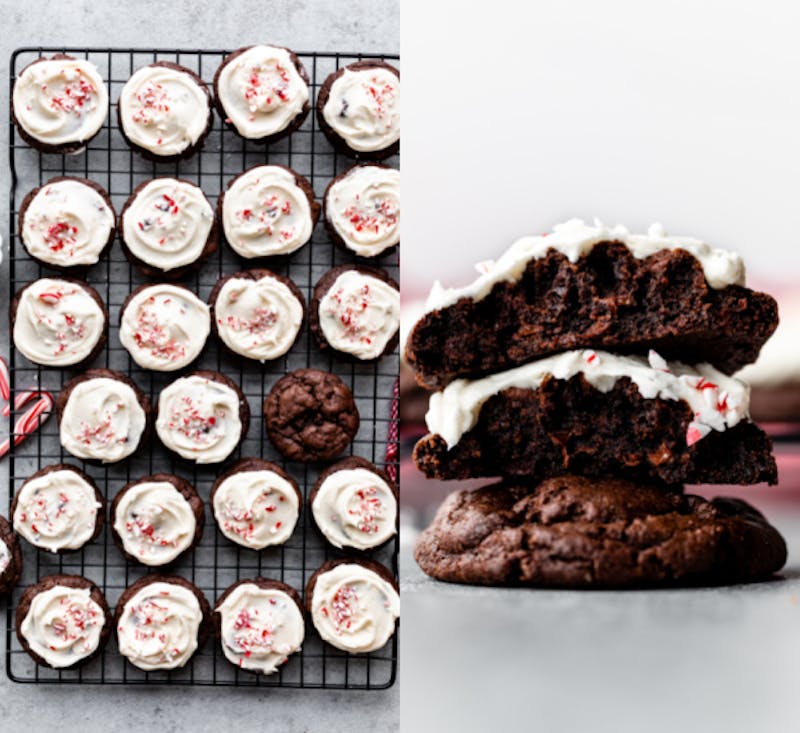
(157, 519)
(358, 109)
(102, 416)
(261, 92)
(354, 505)
(267, 210)
(259, 623)
(58, 509)
(167, 228)
(202, 417)
(256, 503)
(356, 311)
(354, 604)
(10, 557)
(59, 322)
(257, 314)
(68, 223)
(162, 620)
(164, 112)
(63, 621)
(59, 104)
(164, 327)
(361, 209)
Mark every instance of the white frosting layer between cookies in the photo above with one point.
(198, 419)
(260, 627)
(258, 319)
(266, 213)
(261, 91)
(155, 522)
(63, 625)
(364, 209)
(164, 327)
(56, 511)
(158, 626)
(67, 223)
(256, 509)
(718, 402)
(5, 557)
(575, 239)
(58, 323)
(62, 101)
(359, 314)
(167, 224)
(354, 608)
(102, 420)
(354, 507)
(163, 110)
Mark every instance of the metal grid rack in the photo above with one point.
(216, 562)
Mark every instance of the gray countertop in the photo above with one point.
(322, 25)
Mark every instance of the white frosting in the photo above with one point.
(61, 101)
(5, 557)
(164, 327)
(364, 209)
(102, 420)
(363, 108)
(260, 627)
(67, 223)
(359, 314)
(163, 110)
(266, 213)
(63, 625)
(158, 626)
(167, 224)
(717, 401)
(155, 522)
(354, 507)
(56, 511)
(261, 91)
(198, 419)
(58, 323)
(256, 509)
(575, 239)
(354, 608)
(259, 319)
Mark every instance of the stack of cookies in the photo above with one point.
(589, 368)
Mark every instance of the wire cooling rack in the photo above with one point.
(215, 563)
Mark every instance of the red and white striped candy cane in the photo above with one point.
(5, 384)
(33, 418)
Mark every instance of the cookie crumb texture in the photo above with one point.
(574, 532)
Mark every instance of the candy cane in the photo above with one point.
(32, 420)
(5, 385)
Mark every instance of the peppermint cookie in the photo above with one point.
(164, 112)
(310, 415)
(354, 505)
(156, 519)
(162, 620)
(67, 224)
(164, 327)
(268, 210)
(59, 322)
(257, 314)
(261, 92)
(354, 604)
(59, 104)
(63, 621)
(102, 416)
(259, 623)
(256, 503)
(59, 509)
(168, 228)
(202, 417)
(361, 209)
(358, 109)
(10, 557)
(356, 311)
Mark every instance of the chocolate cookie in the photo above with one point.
(574, 532)
(10, 557)
(310, 415)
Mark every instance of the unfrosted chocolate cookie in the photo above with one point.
(10, 557)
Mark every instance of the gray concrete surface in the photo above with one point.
(321, 25)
